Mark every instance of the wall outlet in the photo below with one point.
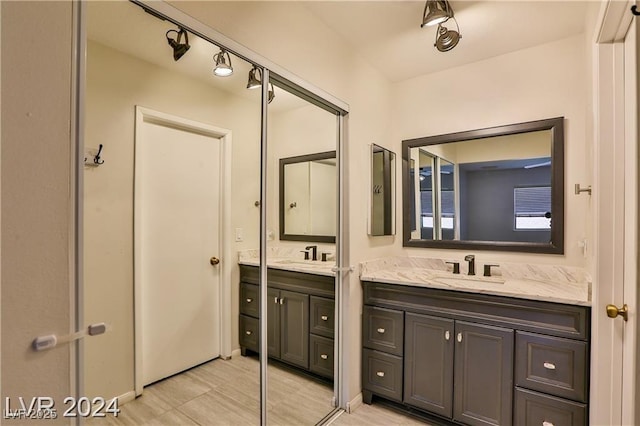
(239, 235)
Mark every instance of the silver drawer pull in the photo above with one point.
(324, 356)
(324, 318)
(549, 366)
(380, 374)
(459, 338)
(546, 423)
(381, 330)
(249, 300)
(276, 300)
(248, 332)
(447, 335)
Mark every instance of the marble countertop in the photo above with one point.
(288, 260)
(548, 283)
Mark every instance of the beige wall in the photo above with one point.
(116, 83)
(36, 197)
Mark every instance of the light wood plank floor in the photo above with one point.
(228, 393)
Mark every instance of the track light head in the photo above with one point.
(446, 39)
(254, 81)
(222, 68)
(179, 49)
(436, 12)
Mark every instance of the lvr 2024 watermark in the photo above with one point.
(44, 407)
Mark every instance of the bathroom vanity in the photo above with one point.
(474, 357)
(300, 316)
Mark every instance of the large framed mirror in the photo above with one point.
(382, 219)
(308, 198)
(499, 188)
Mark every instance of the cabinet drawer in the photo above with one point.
(249, 332)
(383, 329)
(322, 316)
(321, 355)
(552, 365)
(535, 409)
(382, 374)
(249, 299)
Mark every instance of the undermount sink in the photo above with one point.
(467, 279)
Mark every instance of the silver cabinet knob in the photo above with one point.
(549, 366)
(249, 300)
(324, 356)
(381, 330)
(324, 318)
(380, 374)
(447, 335)
(459, 337)
(248, 332)
(546, 423)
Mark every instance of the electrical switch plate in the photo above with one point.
(239, 236)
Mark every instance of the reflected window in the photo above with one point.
(532, 208)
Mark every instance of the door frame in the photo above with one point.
(615, 208)
(144, 114)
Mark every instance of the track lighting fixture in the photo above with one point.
(436, 12)
(446, 39)
(255, 82)
(222, 68)
(179, 49)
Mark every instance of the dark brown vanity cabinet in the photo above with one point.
(476, 359)
(300, 318)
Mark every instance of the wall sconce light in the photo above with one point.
(179, 49)
(222, 68)
(436, 12)
(255, 82)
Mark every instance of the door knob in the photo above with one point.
(214, 261)
(613, 311)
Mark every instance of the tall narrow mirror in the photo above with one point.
(382, 220)
(301, 308)
(171, 184)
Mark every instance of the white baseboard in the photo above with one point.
(126, 397)
(354, 403)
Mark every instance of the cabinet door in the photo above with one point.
(273, 322)
(428, 363)
(483, 374)
(294, 328)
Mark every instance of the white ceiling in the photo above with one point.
(389, 36)
(386, 33)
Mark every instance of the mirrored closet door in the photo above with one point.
(211, 226)
(172, 166)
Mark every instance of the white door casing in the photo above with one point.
(180, 218)
(613, 362)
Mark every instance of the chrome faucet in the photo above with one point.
(472, 263)
(314, 252)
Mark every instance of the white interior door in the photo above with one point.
(177, 228)
(614, 398)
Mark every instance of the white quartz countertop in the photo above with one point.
(535, 282)
(316, 267)
(290, 259)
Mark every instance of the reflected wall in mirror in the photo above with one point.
(495, 188)
(382, 220)
(308, 197)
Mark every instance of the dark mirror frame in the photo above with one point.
(301, 159)
(555, 246)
